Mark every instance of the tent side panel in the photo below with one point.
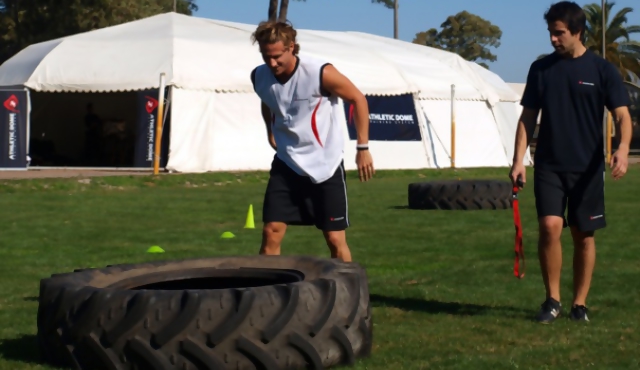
(217, 132)
(478, 142)
(507, 115)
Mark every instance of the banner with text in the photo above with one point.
(13, 129)
(391, 118)
(146, 130)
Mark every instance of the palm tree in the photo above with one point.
(391, 4)
(623, 52)
(284, 7)
(634, 94)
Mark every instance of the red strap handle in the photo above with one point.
(519, 250)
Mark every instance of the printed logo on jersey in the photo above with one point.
(586, 83)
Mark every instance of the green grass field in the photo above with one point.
(441, 282)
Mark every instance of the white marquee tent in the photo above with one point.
(215, 114)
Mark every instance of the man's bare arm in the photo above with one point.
(622, 120)
(524, 134)
(338, 84)
(267, 117)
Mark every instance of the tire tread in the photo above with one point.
(316, 323)
(460, 195)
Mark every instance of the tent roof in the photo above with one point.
(204, 54)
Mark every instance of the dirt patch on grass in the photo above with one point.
(69, 173)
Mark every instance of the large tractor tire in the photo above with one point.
(461, 195)
(256, 312)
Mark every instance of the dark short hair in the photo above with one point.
(569, 13)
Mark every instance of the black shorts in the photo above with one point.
(295, 200)
(582, 192)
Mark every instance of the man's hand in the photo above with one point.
(365, 165)
(518, 171)
(619, 162)
(620, 159)
(524, 135)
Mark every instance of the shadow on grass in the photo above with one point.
(23, 349)
(451, 308)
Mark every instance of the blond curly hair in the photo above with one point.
(270, 32)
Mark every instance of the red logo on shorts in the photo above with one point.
(12, 104)
(151, 105)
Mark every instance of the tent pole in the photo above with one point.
(28, 126)
(608, 120)
(609, 135)
(453, 126)
(156, 162)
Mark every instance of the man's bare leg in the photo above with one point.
(550, 254)
(584, 258)
(337, 243)
(272, 235)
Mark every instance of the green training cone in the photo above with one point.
(227, 235)
(155, 249)
(250, 224)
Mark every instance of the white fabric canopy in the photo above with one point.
(205, 60)
(195, 53)
(204, 54)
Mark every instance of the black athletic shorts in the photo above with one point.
(581, 192)
(295, 200)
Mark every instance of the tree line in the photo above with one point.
(26, 22)
(473, 37)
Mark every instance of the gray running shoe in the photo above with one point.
(549, 311)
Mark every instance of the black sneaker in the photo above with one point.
(549, 311)
(579, 313)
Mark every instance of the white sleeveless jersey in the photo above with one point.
(305, 124)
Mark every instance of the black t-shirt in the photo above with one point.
(572, 94)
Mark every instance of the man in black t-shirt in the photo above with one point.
(571, 88)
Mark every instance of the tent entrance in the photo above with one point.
(95, 130)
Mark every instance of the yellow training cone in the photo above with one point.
(227, 235)
(155, 249)
(250, 224)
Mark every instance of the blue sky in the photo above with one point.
(524, 34)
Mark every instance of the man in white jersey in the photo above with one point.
(300, 107)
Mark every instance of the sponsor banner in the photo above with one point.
(391, 118)
(13, 129)
(146, 130)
